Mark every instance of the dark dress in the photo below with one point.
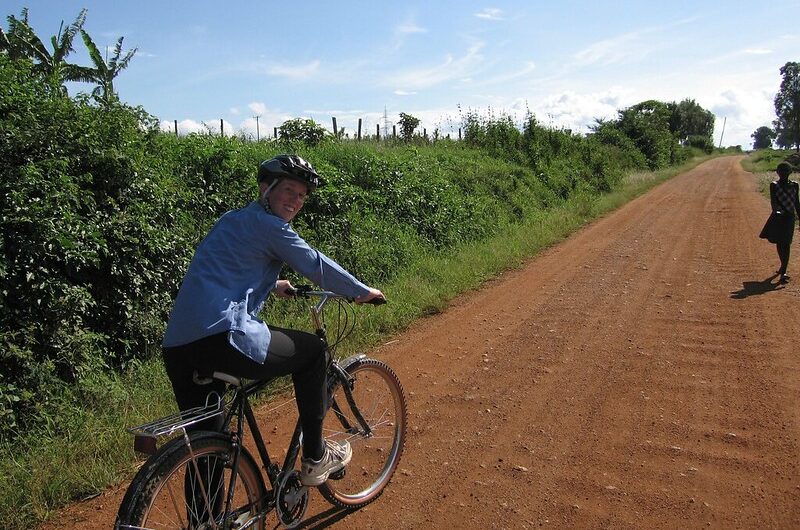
(785, 206)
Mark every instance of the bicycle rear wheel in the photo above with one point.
(378, 397)
(169, 493)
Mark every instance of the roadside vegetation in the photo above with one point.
(100, 212)
(762, 164)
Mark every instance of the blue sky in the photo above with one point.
(567, 61)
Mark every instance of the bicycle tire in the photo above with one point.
(157, 497)
(379, 396)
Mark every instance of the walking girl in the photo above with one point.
(783, 194)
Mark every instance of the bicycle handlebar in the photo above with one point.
(307, 291)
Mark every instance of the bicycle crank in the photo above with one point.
(292, 500)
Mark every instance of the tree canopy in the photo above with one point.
(21, 42)
(787, 107)
(407, 125)
(763, 137)
(690, 119)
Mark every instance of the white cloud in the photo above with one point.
(490, 13)
(622, 48)
(741, 112)
(257, 107)
(757, 51)
(295, 72)
(506, 78)
(448, 70)
(265, 126)
(404, 93)
(189, 126)
(235, 111)
(409, 27)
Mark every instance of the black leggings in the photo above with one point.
(292, 352)
(784, 244)
(783, 255)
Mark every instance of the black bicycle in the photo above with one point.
(209, 480)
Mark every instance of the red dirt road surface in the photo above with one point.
(642, 374)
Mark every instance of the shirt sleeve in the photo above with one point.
(287, 246)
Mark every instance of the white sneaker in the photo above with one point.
(337, 455)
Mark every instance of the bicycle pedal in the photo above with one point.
(338, 475)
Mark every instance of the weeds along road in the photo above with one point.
(642, 374)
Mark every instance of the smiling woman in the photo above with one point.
(214, 325)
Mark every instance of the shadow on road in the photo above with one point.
(326, 518)
(757, 287)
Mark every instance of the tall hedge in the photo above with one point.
(100, 214)
(85, 269)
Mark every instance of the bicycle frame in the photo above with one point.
(238, 411)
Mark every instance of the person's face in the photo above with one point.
(287, 198)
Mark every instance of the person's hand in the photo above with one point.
(283, 289)
(373, 294)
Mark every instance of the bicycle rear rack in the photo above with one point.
(145, 435)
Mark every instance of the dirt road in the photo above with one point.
(643, 374)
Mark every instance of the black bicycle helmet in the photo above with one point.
(289, 166)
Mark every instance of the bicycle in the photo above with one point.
(209, 480)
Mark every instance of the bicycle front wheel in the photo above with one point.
(174, 492)
(377, 439)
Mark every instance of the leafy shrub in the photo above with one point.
(306, 131)
(100, 214)
(88, 247)
(704, 143)
(407, 125)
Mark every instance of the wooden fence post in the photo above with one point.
(176, 127)
(359, 128)
(221, 131)
(378, 131)
(335, 130)
(459, 133)
(275, 132)
(394, 131)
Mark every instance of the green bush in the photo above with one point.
(305, 131)
(101, 213)
(704, 143)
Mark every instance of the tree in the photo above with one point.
(23, 41)
(407, 125)
(104, 73)
(647, 124)
(10, 42)
(763, 137)
(302, 130)
(689, 120)
(787, 107)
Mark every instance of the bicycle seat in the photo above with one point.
(206, 378)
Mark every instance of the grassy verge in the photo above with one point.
(762, 164)
(44, 471)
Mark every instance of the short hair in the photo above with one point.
(784, 168)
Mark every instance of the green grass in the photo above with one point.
(765, 160)
(762, 164)
(47, 469)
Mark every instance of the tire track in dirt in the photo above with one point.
(638, 375)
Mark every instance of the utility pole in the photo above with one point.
(724, 121)
(385, 123)
(258, 136)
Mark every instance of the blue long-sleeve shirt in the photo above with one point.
(233, 271)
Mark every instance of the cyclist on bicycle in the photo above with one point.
(213, 325)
